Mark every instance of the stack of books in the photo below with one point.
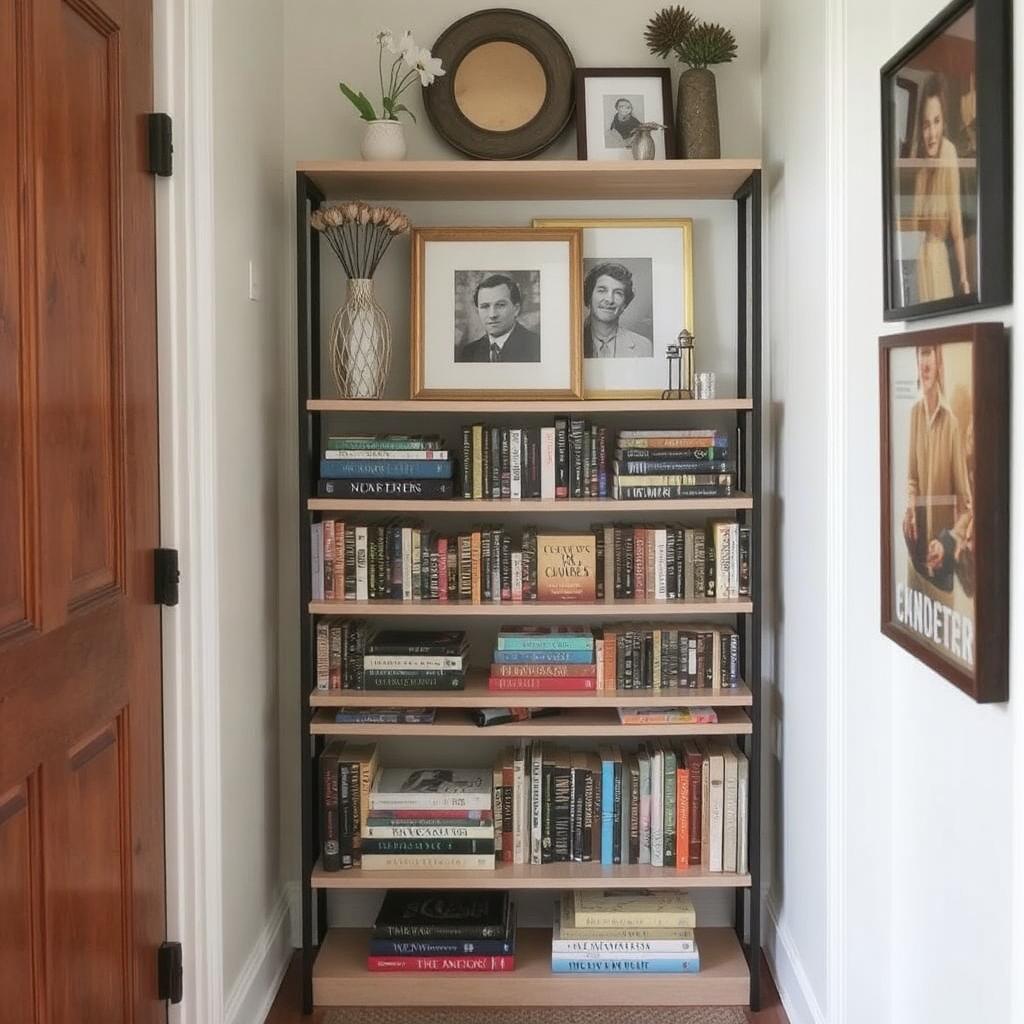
(624, 932)
(660, 656)
(385, 466)
(416, 660)
(556, 658)
(424, 930)
(429, 818)
(347, 772)
(660, 463)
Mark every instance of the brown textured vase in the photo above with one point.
(697, 116)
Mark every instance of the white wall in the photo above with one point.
(249, 224)
(916, 924)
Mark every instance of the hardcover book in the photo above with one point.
(432, 787)
(566, 567)
(632, 908)
(404, 489)
(442, 914)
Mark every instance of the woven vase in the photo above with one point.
(360, 343)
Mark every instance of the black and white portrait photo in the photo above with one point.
(497, 316)
(617, 301)
(622, 116)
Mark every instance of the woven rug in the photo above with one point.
(541, 1015)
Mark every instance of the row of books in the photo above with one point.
(667, 804)
(659, 463)
(355, 464)
(403, 561)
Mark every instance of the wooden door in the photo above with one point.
(81, 791)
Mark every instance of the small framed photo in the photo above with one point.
(945, 494)
(611, 103)
(637, 295)
(947, 164)
(496, 313)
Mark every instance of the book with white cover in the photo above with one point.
(547, 463)
(316, 560)
(432, 789)
(362, 585)
(660, 564)
(536, 801)
(742, 812)
(515, 458)
(716, 809)
(730, 777)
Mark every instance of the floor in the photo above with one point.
(286, 1007)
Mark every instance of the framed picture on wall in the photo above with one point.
(945, 493)
(495, 313)
(637, 295)
(611, 103)
(947, 164)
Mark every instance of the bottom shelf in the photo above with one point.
(340, 978)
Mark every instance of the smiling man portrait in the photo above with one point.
(608, 290)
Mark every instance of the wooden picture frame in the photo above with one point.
(664, 326)
(583, 75)
(532, 277)
(944, 396)
(947, 205)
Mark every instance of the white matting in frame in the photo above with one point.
(645, 99)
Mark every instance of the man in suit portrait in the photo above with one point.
(607, 291)
(497, 299)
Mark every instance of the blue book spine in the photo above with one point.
(688, 965)
(545, 643)
(390, 469)
(543, 657)
(441, 947)
(607, 810)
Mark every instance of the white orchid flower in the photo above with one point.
(386, 38)
(428, 67)
(404, 46)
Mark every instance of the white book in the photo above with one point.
(376, 454)
(657, 806)
(316, 560)
(660, 565)
(406, 563)
(730, 777)
(645, 806)
(536, 801)
(323, 654)
(411, 662)
(518, 804)
(742, 811)
(428, 861)
(362, 588)
(428, 831)
(599, 662)
(716, 807)
(417, 555)
(734, 560)
(432, 789)
(517, 576)
(547, 463)
(515, 462)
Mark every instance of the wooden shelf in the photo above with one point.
(501, 180)
(551, 407)
(503, 507)
(534, 876)
(340, 978)
(513, 610)
(595, 722)
(477, 695)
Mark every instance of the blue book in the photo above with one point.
(686, 965)
(607, 803)
(545, 643)
(543, 657)
(385, 469)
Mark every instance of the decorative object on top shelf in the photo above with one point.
(495, 313)
(637, 287)
(360, 235)
(508, 94)
(946, 164)
(613, 105)
(680, 357)
(697, 44)
(945, 408)
(641, 142)
(384, 138)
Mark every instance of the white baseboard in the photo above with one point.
(791, 979)
(253, 993)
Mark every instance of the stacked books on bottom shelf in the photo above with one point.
(429, 818)
(633, 931)
(426, 930)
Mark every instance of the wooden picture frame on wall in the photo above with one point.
(945, 513)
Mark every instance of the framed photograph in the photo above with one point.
(947, 164)
(945, 490)
(496, 313)
(637, 295)
(612, 102)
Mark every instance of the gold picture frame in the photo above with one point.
(436, 339)
(685, 226)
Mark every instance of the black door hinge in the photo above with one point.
(160, 145)
(165, 576)
(169, 972)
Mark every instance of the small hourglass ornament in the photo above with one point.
(680, 367)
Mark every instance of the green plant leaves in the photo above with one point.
(359, 101)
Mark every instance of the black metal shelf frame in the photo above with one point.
(749, 456)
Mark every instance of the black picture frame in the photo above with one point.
(985, 565)
(989, 270)
(582, 74)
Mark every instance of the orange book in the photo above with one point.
(609, 657)
(682, 815)
(328, 559)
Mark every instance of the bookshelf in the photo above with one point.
(333, 959)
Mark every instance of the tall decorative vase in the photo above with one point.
(383, 140)
(360, 343)
(697, 115)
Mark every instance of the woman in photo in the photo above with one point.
(937, 210)
(623, 122)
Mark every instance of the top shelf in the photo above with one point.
(497, 180)
(558, 406)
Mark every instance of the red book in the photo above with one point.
(556, 684)
(508, 778)
(534, 670)
(441, 963)
(694, 763)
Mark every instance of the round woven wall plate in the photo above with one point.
(542, 100)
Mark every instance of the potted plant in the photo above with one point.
(698, 45)
(383, 138)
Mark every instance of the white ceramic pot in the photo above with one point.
(384, 140)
